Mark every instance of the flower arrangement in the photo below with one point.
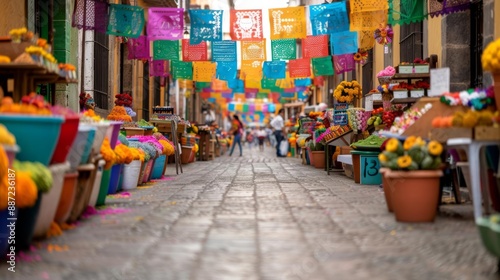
(478, 99)
(86, 101)
(118, 113)
(346, 91)
(40, 51)
(30, 105)
(384, 35)
(408, 118)
(361, 56)
(123, 99)
(468, 119)
(39, 173)
(137, 153)
(420, 61)
(123, 154)
(6, 138)
(90, 116)
(413, 154)
(108, 154)
(358, 118)
(389, 71)
(18, 34)
(168, 149)
(490, 58)
(195, 148)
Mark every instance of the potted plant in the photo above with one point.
(420, 66)
(318, 154)
(412, 177)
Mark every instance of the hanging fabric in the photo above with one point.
(224, 51)
(253, 50)
(138, 48)
(407, 11)
(329, 18)
(444, 7)
(203, 71)
(158, 68)
(125, 20)
(194, 52)
(182, 70)
(246, 24)
(206, 25)
(344, 63)
(299, 68)
(274, 69)
(322, 66)
(165, 23)
(164, 49)
(288, 23)
(284, 49)
(344, 42)
(90, 15)
(227, 70)
(315, 46)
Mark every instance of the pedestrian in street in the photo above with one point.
(279, 130)
(269, 137)
(249, 138)
(261, 135)
(237, 132)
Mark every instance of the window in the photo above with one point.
(368, 73)
(411, 42)
(145, 92)
(476, 46)
(101, 62)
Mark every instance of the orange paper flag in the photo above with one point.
(203, 71)
(288, 23)
(253, 50)
(251, 70)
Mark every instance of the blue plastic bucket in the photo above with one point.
(114, 178)
(157, 171)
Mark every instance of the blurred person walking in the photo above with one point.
(261, 135)
(237, 132)
(279, 130)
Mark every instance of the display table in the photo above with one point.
(171, 127)
(339, 141)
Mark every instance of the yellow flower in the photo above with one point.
(392, 145)
(435, 148)
(382, 157)
(419, 142)
(404, 161)
(409, 142)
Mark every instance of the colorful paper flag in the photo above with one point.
(302, 82)
(165, 23)
(227, 70)
(344, 42)
(315, 46)
(407, 11)
(367, 21)
(253, 50)
(224, 51)
(322, 66)
(274, 69)
(158, 68)
(251, 70)
(206, 25)
(168, 50)
(344, 63)
(203, 71)
(284, 49)
(287, 23)
(299, 68)
(125, 20)
(138, 48)
(182, 70)
(194, 52)
(329, 18)
(246, 24)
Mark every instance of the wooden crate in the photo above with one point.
(487, 133)
(443, 134)
(166, 127)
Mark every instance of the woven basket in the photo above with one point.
(384, 79)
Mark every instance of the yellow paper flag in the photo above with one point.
(203, 71)
(288, 23)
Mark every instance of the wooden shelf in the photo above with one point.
(399, 76)
(399, 101)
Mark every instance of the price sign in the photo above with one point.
(370, 174)
(440, 81)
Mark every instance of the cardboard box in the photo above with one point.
(417, 93)
(377, 96)
(400, 94)
(405, 69)
(487, 133)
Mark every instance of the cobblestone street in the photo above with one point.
(257, 217)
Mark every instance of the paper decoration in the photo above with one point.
(315, 46)
(138, 48)
(302, 82)
(194, 52)
(329, 18)
(288, 23)
(271, 108)
(253, 50)
(253, 84)
(444, 7)
(92, 15)
(206, 25)
(286, 82)
(251, 69)
(224, 51)
(299, 68)
(158, 68)
(367, 21)
(384, 35)
(227, 70)
(274, 69)
(322, 66)
(219, 85)
(246, 24)
(204, 85)
(368, 5)
(366, 41)
(344, 42)
(343, 63)
(284, 49)
(237, 85)
(268, 83)
(165, 23)
(319, 81)
(182, 70)
(203, 71)
(183, 83)
(125, 20)
(163, 49)
(250, 94)
(406, 11)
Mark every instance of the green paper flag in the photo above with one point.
(245, 108)
(284, 49)
(262, 95)
(165, 49)
(182, 70)
(268, 83)
(322, 66)
(407, 11)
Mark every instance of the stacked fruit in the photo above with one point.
(32, 104)
(376, 118)
(388, 117)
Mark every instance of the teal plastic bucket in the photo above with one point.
(27, 129)
(158, 166)
(103, 190)
(88, 147)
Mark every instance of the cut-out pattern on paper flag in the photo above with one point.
(251, 70)
(329, 18)
(158, 68)
(344, 63)
(274, 69)
(368, 5)
(284, 49)
(138, 48)
(304, 82)
(253, 50)
(203, 71)
(206, 25)
(366, 40)
(163, 49)
(299, 68)
(182, 70)
(224, 51)
(406, 11)
(315, 46)
(92, 15)
(268, 84)
(165, 23)
(227, 70)
(437, 8)
(288, 23)
(322, 66)
(125, 20)
(194, 52)
(344, 42)
(368, 21)
(246, 24)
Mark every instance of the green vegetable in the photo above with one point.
(371, 141)
(143, 122)
(39, 173)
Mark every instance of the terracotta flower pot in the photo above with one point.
(318, 159)
(387, 189)
(414, 194)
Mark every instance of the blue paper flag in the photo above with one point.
(329, 18)
(231, 107)
(206, 25)
(302, 82)
(344, 42)
(237, 85)
(227, 70)
(211, 100)
(274, 69)
(271, 108)
(224, 51)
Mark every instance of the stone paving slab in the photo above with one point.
(259, 217)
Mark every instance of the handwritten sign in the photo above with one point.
(440, 81)
(369, 170)
(369, 103)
